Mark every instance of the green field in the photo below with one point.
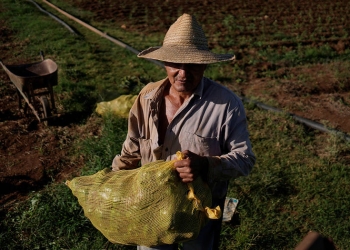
(300, 183)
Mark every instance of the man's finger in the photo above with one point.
(187, 180)
(183, 169)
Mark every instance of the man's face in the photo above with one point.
(184, 77)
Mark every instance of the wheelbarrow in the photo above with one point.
(34, 83)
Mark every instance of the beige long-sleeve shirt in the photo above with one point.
(212, 123)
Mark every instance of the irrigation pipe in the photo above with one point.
(307, 122)
(53, 16)
(93, 29)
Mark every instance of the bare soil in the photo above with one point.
(32, 154)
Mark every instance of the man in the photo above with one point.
(193, 114)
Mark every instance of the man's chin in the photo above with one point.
(183, 86)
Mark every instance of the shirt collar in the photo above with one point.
(157, 92)
(199, 90)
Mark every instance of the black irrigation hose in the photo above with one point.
(307, 122)
(53, 16)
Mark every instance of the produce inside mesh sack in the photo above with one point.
(119, 106)
(145, 206)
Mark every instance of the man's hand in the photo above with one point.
(192, 166)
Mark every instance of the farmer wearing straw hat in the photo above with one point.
(190, 113)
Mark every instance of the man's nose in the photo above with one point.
(183, 69)
(182, 72)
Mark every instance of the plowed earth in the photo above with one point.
(32, 154)
(314, 91)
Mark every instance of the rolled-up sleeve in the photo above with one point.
(130, 154)
(141, 141)
(239, 159)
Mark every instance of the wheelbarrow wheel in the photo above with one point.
(46, 111)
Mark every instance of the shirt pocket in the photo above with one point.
(200, 144)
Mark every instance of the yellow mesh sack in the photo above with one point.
(145, 206)
(119, 106)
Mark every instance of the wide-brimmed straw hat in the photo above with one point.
(185, 42)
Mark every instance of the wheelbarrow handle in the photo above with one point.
(42, 55)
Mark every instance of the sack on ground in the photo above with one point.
(119, 106)
(146, 206)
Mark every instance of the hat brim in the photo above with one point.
(184, 55)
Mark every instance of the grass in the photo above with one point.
(52, 218)
(84, 76)
(292, 189)
(300, 182)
